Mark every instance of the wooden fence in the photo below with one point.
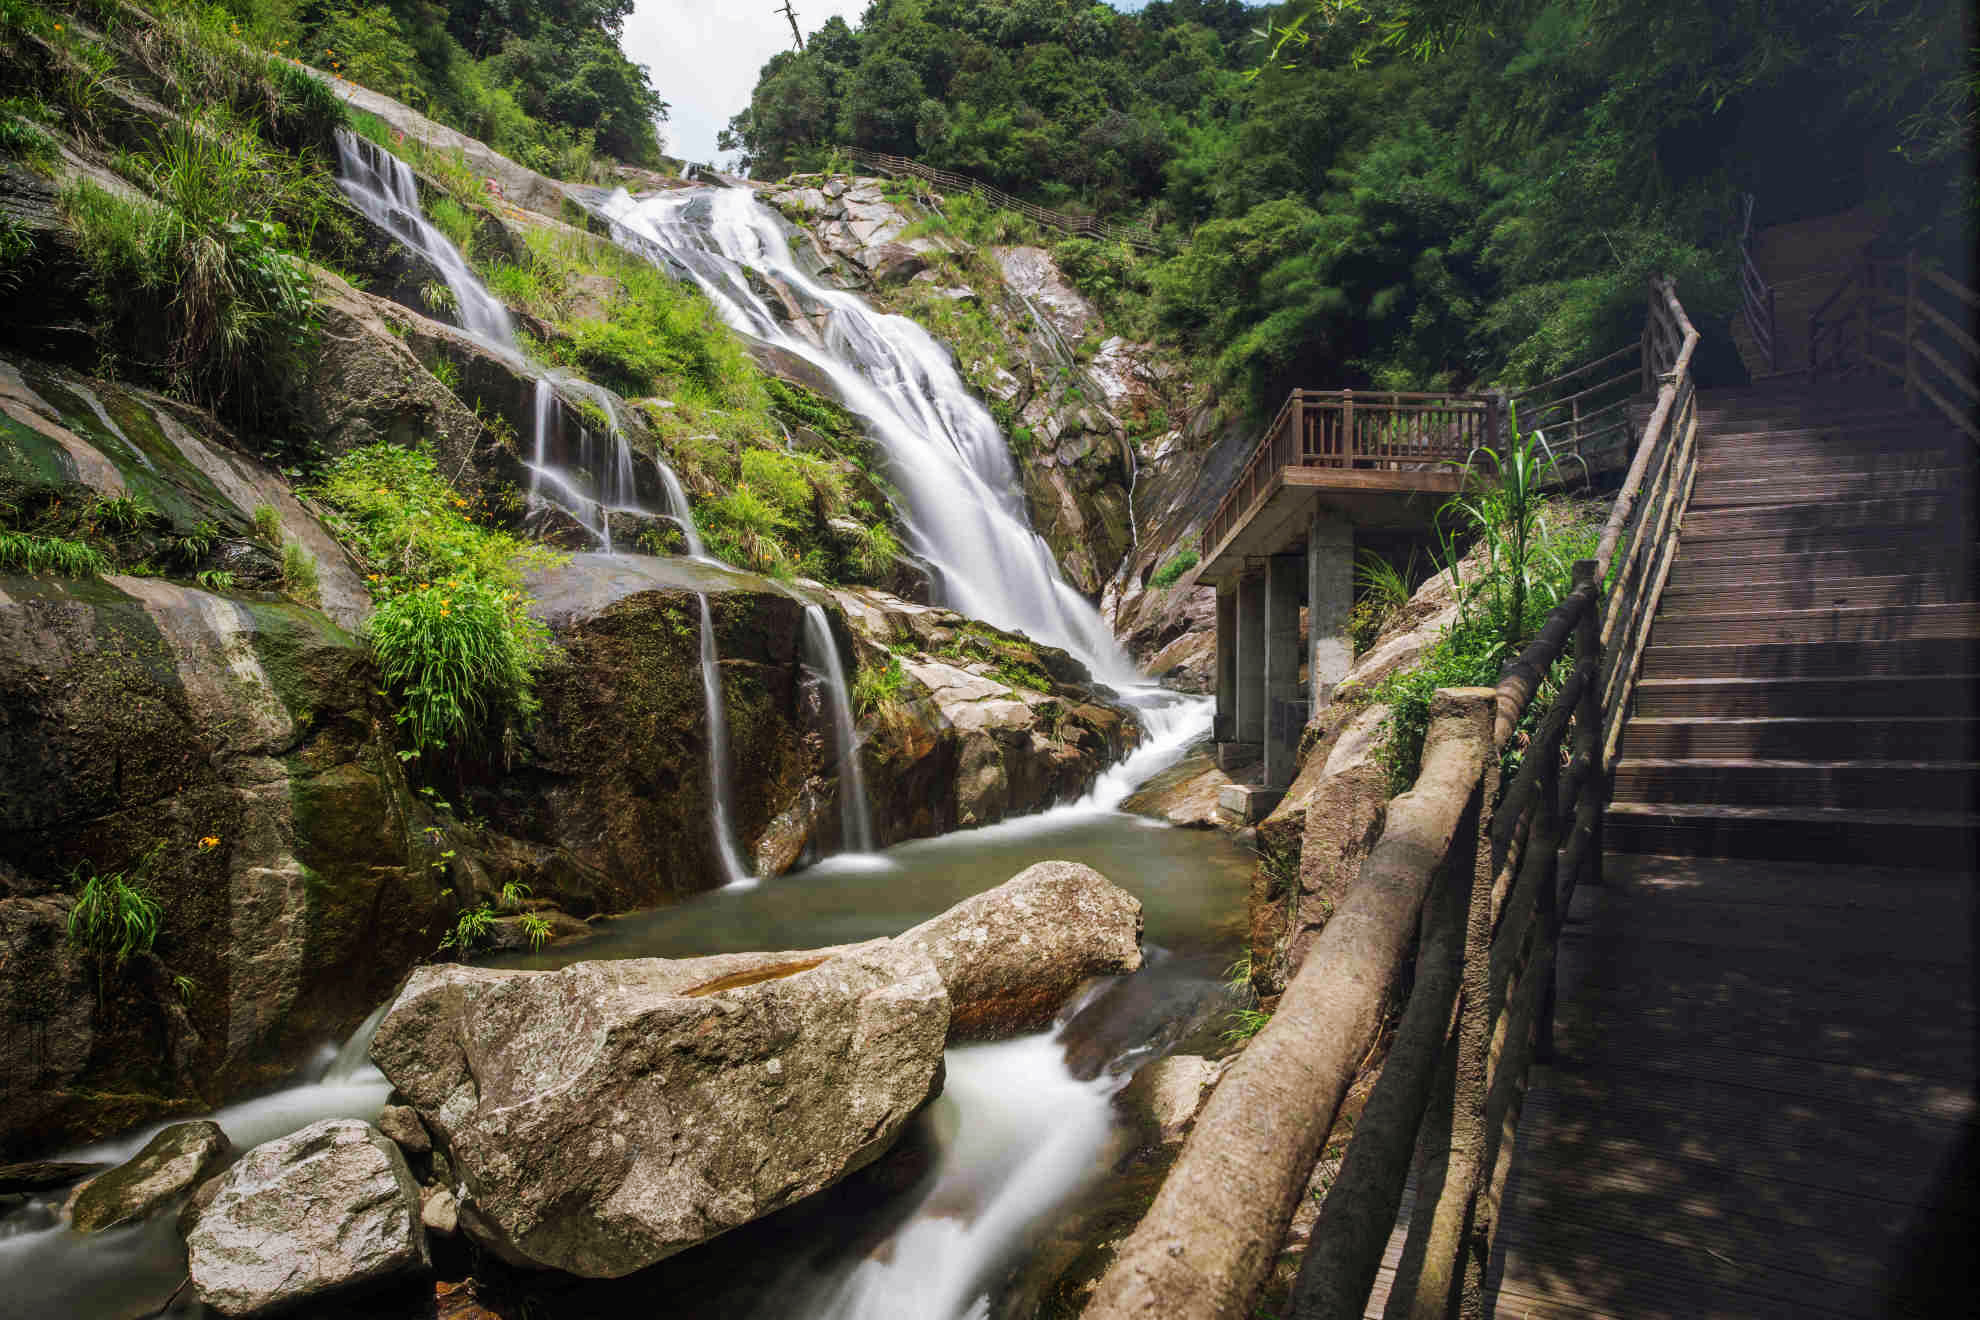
(1583, 415)
(1086, 225)
(1757, 297)
(1367, 429)
(1913, 323)
(1486, 876)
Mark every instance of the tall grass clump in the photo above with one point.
(115, 916)
(452, 630)
(203, 280)
(25, 552)
(1523, 547)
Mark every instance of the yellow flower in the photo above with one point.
(424, 585)
(446, 611)
(210, 841)
(370, 577)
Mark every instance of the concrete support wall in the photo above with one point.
(1329, 596)
(1225, 725)
(1250, 724)
(1285, 707)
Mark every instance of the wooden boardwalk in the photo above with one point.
(1763, 1097)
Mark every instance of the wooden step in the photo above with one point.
(1944, 840)
(1923, 509)
(1957, 619)
(1698, 567)
(1735, 462)
(1950, 539)
(1871, 785)
(1803, 738)
(1934, 655)
(1814, 593)
(1936, 695)
(1819, 488)
(1748, 433)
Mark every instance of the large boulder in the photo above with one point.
(327, 1210)
(171, 1165)
(605, 1116)
(608, 1115)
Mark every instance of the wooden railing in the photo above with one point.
(1913, 323)
(1757, 297)
(1486, 875)
(1373, 430)
(1086, 225)
(1584, 414)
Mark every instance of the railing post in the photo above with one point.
(1911, 329)
(1348, 444)
(1773, 334)
(1492, 426)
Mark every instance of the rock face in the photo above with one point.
(171, 1164)
(237, 733)
(983, 725)
(325, 1210)
(608, 1115)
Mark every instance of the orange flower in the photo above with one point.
(209, 842)
(370, 577)
(424, 585)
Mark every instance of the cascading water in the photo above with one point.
(720, 785)
(382, 186)
(945, 452)
(855, 816)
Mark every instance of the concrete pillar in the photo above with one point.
(1285, 707)
(1329, 596)
(1250, 659)
(1225, 725)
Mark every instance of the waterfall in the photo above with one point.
(966, 513)
(382, 186)
(855, 816)
(719, 782)
(679, 510)
(601, 480)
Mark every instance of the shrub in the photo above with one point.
(299, 577)
(874, 552)
(1171, 573)
(452, 630)
(745, 527)
(267, 524)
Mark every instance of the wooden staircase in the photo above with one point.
(1808, 691)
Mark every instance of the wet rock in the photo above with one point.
(1185, 794)
(440, 1211)
(1164, 1098)
(1031, 273)
(608, 1115)
(44, 1175)
(892, 263)
(1012, 956)
(401, 1123)
(171, 1164)
(327, 1209)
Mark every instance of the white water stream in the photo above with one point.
(382, 186)
(855, 816)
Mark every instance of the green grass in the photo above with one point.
(25, 552)
(268, 524)
(299, 575)
(876, 685)
(452, 631)
(115, 916)
(1171, 573)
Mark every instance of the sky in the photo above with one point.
(704, 55)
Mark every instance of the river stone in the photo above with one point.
(331, 1207)
(171, 1164)
(401, 1123)
(605, 1116)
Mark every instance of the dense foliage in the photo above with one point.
(544, 81)
(1406, 193)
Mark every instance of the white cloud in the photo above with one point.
(704, 56)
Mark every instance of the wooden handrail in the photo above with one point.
(1134, 235)
(1487, 878)
(1931, 370)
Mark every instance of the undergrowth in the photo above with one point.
(452, 629)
